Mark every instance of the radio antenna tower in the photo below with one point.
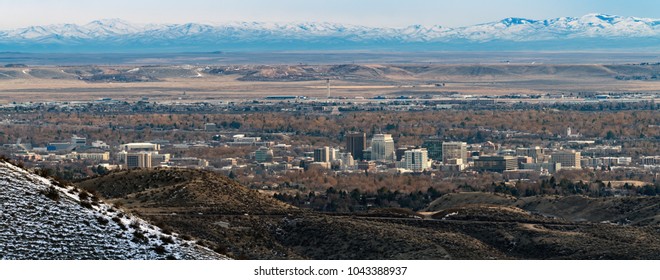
(327, 85)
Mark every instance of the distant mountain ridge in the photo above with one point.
(592, 31)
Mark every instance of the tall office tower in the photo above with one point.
(382, 147)
(346, 160)
(322, 154)
(417, 160)
(356, 143)
(334, 154)
(454, 150)
(434, 147)
(138, 160)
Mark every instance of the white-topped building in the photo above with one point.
(416, 160)
(140, 147)
(382, 147)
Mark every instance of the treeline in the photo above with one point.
(567, 187)
(343, 201)
(408, 128)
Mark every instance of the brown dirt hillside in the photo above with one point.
(556, 240)
(246, 224)
(322, 237)
(468, 198)
(169, 191)
(624, 210)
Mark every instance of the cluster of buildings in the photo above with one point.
(380, 154)
(124, 156)
(74, 149)
(358, 153)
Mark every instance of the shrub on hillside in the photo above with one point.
(51, 193)
(160, 249)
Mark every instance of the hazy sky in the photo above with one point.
(390, 13)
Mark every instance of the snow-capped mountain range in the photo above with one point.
(586, 32)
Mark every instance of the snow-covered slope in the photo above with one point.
(41, 220)
(588, 26)
(603, 31)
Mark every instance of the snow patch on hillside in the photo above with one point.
(41, 219)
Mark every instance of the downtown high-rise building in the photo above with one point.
(382, 147)
(138, 160)
(416, 160)
(356, 143)
(322, 154)
(434, 148)
(454, 150)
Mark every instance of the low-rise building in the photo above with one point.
(263, 154)
(78, 141)
(324, 165)
(536, 153)
(27, 156)
(105, 156)
(228, 162)
(495, 163)
(188, 162)
(140, 147)
(60, 146)
(158, 159)
(210, 127)
(550, 167)
(366, 165)
(568, 159)
(453, 165)
(650, 160)
(242, 140)
(100, 145)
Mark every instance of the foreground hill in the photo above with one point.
(554, 227)
(247, 224)
(623, 210)
(182, 191)
(42, 219)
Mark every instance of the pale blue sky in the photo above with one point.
(386, 13)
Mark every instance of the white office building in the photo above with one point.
(382, 148)
(140, 147)
(416, 160)
(568, 159)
